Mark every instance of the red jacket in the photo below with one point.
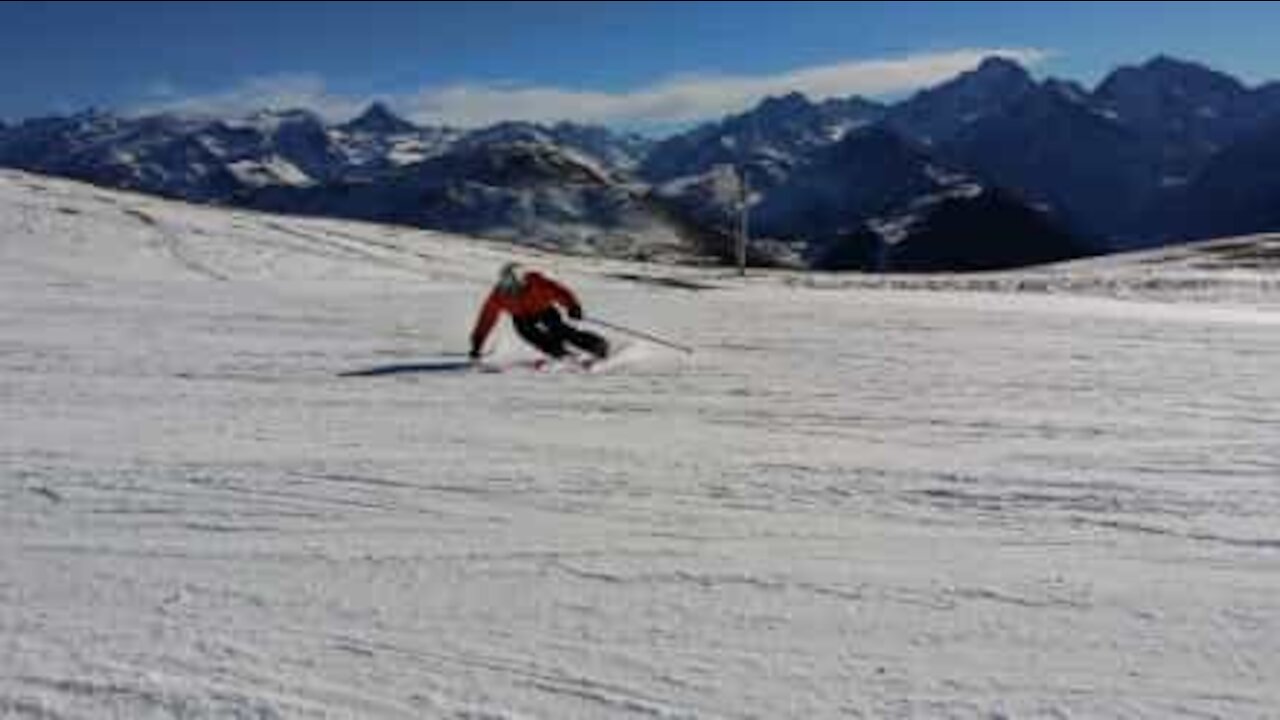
(537, 295)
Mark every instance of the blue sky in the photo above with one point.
(623, 63)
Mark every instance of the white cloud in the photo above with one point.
(692, 98)
(680, 99)
(161, 89)
(272, 92)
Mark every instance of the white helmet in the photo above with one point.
(511, 278)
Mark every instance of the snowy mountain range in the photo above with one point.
(767, 139)
(526, 190)
(876, 201)
(1161, 152)
(1114, 166)
(1111, 162)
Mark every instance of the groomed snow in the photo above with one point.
(861, 497)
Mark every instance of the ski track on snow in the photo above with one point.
(1047, 494)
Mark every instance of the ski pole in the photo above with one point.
(642, 335)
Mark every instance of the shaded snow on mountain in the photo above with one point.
(193, 159)
(817, 181)
(1205, 133)
(378, 141)
(1266, 101)
(378, 119)
(934, 115)
(551, 186)
(616, 151)
(1060, 153)
(208, 159)
(1157, 152)
(875, 201)
(867, 173)
(1237, 193)
(1183, 112)
(532, 193)
(299, 137)
(768, 139)
(160, 155)
(971, 228)
(1108, 162)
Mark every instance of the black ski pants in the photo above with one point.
(548, 332)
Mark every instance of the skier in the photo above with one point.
(531, 298)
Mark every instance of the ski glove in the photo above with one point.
(575, 312)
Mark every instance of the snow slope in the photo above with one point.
(861, 497)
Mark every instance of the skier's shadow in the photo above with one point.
(435, 366)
